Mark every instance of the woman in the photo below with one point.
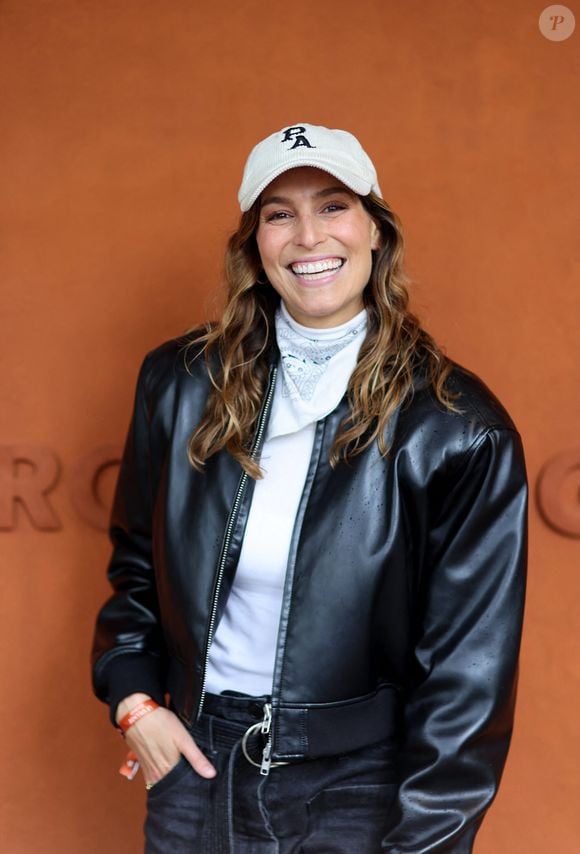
(319, 545)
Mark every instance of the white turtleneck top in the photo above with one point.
(315, 366)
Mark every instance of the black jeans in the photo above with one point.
(334, 805)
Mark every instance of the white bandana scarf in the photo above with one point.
(305, 353)
(315, 366)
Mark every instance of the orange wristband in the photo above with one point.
(137, 712)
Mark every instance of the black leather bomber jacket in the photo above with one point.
(402, 609)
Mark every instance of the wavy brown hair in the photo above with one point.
(237, 350)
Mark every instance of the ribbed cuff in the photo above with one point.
(132, 674)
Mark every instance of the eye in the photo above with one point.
(276, 216)
(334, 207)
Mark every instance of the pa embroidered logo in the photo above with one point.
(297, 136)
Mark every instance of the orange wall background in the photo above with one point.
(124, 130)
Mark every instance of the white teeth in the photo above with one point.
(316, 266)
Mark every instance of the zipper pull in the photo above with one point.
(267, 721)
(266, 760)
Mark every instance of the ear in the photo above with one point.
(376, 241)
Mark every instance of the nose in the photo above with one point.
(308, 231)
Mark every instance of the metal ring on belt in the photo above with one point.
(256, 728)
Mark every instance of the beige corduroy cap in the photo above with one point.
(334, 151)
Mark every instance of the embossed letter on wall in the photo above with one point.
(27, 474)
(558, 492)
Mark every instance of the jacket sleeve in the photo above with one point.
(459, 711)
(128, 652)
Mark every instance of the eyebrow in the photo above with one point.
(284, 200)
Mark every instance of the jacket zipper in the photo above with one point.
(267, 728)
(257, 443)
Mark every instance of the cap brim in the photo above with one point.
(353, 182)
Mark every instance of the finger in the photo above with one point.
(198, 760)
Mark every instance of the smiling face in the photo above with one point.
(315, 241)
